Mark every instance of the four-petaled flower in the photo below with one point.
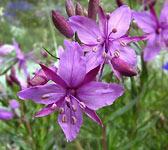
(108, 40)
(156, 29)
(73, 91)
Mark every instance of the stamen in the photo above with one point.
(114, 30)
(108, 16)
(99, 39)
(45, 96)
(67, 99)
(73, 120)
(158, 31)
(61, 110)
(104, 55)
(117, 53)
(122, 43)
(54, 106)
(74, 108)
(64, 118)
(95, 49)
(82, 105)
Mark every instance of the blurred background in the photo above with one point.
(136, 121)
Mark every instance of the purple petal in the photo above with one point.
(120, 20)
(90, 76)
(102, 21)
(53, 76)
(87, 30)
(5, 115)
(48, 109)
(72, 66)
(153, 47)
(18, 50)
(36, 94)
(164, 14)
(5, 49)
(71, 130)
(98, 94)
(145, 21)
(60, 51)
(165, 37)
(14, 104)
(92, 114)
(94, 59)
(127, 53)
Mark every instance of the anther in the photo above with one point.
(64, 118)
(114, 30)
(54, 106)
(61, 110)
(108, 16)
(104, 55)
(95, 49)
(73, 120)
(158, 31)
(99, 39)
(45, 96)
(74, 108)
(67, 99)
(117, 53)
(82, 105)
(122, 43)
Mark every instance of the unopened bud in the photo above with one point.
(40, 77)
(79, 9)
(69, 8)
(62, 25)
(122, 67)
(9, 81)
(93, 9)
(119, 3)
(44, 54)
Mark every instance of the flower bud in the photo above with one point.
(119, 3)
(40, 77)
(62, 25)
(79, 9)
(93, 8)
(9, 81)
(14, 104)
(123, 68)
(69, 8)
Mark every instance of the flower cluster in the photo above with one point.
(77, 82)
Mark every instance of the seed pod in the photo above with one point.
(119, 3)
(69, 8)
(62, 25)
(93, 8)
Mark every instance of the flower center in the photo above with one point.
(158, 30)
(71, 92)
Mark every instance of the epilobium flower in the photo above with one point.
(5, 115)
(72, 92)
(156, 29)
(62, 25)
(107, 40)
(21, 58)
